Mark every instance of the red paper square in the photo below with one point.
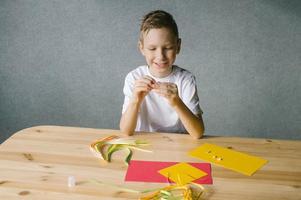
(147, 171)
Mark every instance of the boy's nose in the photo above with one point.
(160, 53)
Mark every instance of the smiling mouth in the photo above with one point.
(161, 65)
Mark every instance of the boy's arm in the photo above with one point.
(192, 123)
(128, 119)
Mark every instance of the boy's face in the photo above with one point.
(160, 47)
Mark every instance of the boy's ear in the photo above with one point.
(140, 46)
(179, 45)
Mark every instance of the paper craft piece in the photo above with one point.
(182, 173)
(147, 171)
(237, 161)
(190, 191)
(105, 147)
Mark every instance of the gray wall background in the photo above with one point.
(64, 62)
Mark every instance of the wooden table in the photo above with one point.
(36, 162)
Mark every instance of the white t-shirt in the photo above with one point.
(155, 114)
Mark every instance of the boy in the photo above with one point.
(160, 97)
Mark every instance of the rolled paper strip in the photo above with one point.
(71, 181)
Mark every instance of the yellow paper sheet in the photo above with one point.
(230, 159)
(182, 173)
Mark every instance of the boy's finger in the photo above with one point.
(166, 91)
(146, 81)
(142, 88)
(167, 86)
(153, 81)
(143, 85)
(161, 86)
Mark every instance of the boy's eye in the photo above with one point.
(165, 48)
(169, 48)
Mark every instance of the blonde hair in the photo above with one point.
(158, 19)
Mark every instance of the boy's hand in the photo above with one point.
(142, 87)
(169, 91)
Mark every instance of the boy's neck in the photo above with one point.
(158, 76)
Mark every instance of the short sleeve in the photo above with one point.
(190, 95)
(127, 91)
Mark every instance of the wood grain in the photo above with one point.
(36, 162)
